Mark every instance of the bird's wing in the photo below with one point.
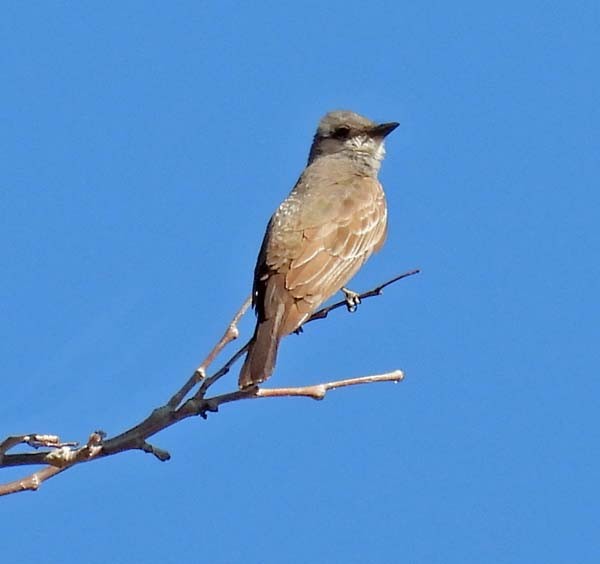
(323, 243)
(332, 252)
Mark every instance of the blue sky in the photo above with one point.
(144, 146)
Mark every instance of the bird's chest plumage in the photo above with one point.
(327, 209)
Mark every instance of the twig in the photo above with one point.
(161, 418)
(377, 291)
(31, 482)
(34, 440)
(231, 333)
(319, 314)
(59, 460)
(224, 370)
(64, 455)
(318, 391)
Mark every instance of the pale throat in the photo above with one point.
(368, 151)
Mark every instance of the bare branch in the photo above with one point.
(318, 391)
(31, 482)
(377, 291)
(64, 455)
(59, 460)
(224, 370)
(231, 333)
(320, 314)
(34, 440)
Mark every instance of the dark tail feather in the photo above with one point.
(260, 360)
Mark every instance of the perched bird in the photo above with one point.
(333, 220)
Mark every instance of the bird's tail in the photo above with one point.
(262, 353)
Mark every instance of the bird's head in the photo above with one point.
(351, 134)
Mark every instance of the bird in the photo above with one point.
(334, 218)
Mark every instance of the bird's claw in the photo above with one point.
(352, 299)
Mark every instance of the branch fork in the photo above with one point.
(59, 455)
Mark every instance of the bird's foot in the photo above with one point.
(352, 299)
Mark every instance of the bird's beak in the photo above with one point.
(384, 129)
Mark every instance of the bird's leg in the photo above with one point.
(352, 299)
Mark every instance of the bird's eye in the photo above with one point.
(341, 132)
